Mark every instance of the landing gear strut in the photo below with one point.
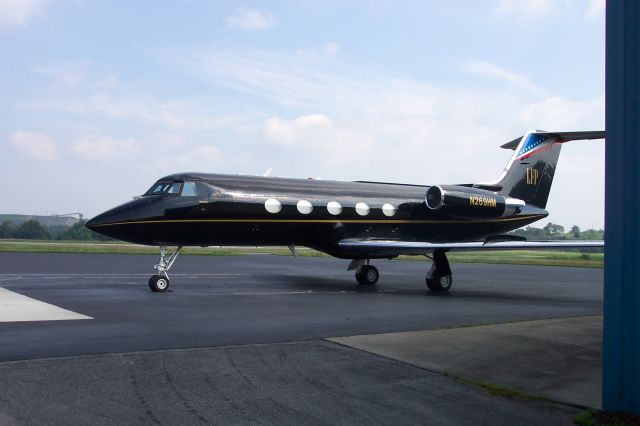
(366, 274)
(439, 276)
(160, 282)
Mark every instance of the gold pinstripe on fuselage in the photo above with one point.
(363, 221)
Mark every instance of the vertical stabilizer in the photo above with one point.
(529, 173)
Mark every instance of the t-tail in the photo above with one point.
(529, 173)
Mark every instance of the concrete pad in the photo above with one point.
(557, 358)
(304, 383)
(15, 307)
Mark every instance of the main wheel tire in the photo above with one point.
(159, 283)
(439, 282)
(368, 275)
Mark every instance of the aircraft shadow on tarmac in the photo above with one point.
(319, 284)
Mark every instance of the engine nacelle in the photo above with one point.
(463, 202)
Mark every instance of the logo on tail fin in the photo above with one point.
(534, 144)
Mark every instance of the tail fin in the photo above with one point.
(529, 173)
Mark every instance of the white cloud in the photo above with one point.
(34, 145)
(250, 20)
(319, 142)
(207, 152)
(206, 156)
(596, 8)
(492, 70)
(277, 130)
(203, 158)
(139, 108)
(525, 6)
(379, 120)
(108, 83)
(57, 105)
(327, 51)
(331, 117)
(558, 113)
(283, 131)
(312, 120)
(69, 80)
(288, 79)
(526, 9)
(16, 13)
(65, 75)
(104, 147)
(331, 49)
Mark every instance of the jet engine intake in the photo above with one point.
(463, 202)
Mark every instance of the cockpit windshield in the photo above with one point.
(186, 189)
(158, 188)
(164, 188)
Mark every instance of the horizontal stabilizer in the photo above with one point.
(395, 248)
(560, 137)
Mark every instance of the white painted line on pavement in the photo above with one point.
(145, 275)
(15, 307)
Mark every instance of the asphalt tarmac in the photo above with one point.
(261, 320)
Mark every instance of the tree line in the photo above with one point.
(34, 230)
(552, 231)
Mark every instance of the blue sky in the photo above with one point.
(102, 98)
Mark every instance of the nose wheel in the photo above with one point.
(159, 283)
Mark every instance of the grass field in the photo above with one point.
(516, 257)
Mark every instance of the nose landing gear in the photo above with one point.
(160, 282)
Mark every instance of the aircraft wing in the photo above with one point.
(394, 247)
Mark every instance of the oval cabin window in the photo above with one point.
(389, 209)
(272, 205)
(362, 209)
(334, 208)
(305, 207)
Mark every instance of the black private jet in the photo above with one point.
(360, 221)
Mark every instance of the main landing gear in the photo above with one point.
(366, 274)
(160, 282)
(439, 277)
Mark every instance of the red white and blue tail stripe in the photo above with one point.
(535, 142)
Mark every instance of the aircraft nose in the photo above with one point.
(129, 211)
(117, 222)
(99, 221)
(93, 223)
(109, 224)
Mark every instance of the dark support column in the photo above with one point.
(621, 345)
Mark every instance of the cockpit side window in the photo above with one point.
(189, 189)
(174, 188)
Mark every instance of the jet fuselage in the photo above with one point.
(251, 210)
